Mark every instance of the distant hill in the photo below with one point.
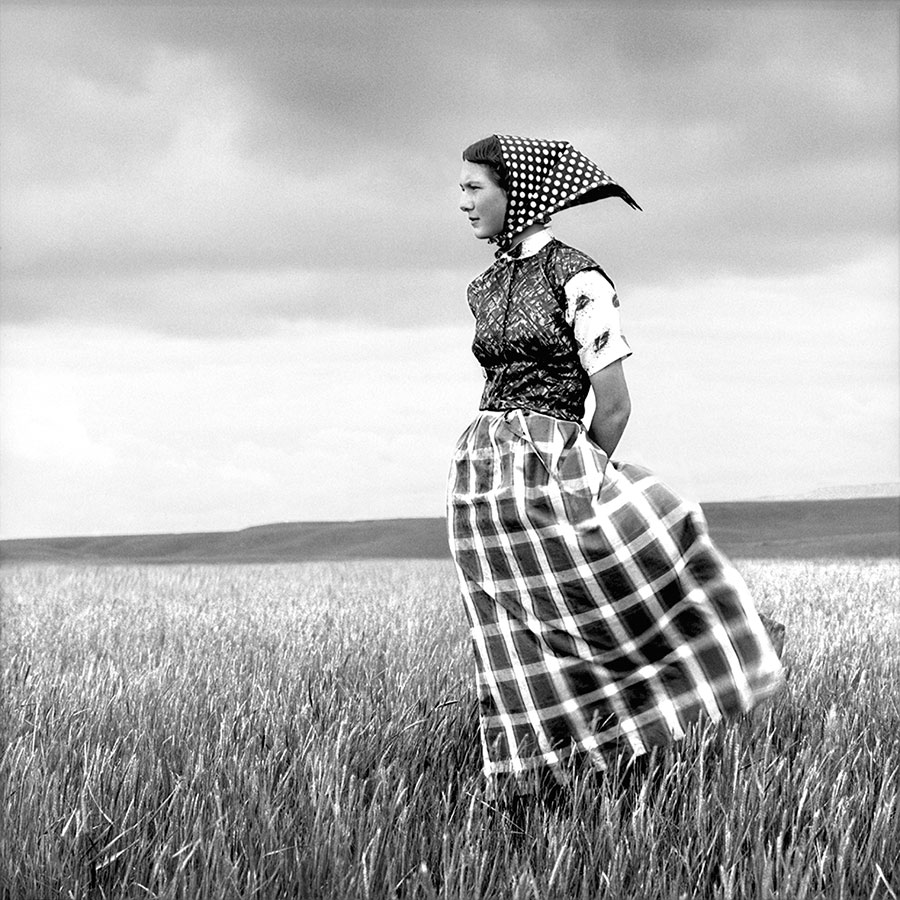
(884, 489)
(791, 529)
(846, 492)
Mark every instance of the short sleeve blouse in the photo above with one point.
(592, 311)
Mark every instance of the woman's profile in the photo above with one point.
(603, 619)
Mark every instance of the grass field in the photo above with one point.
(309, 731)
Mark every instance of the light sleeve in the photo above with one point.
(592, 311)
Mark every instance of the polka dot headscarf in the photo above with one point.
(545, 177)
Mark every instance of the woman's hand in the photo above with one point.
(613, 407)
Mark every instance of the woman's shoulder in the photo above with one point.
(565, 253)
(565, 262)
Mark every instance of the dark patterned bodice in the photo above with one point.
(522, 339)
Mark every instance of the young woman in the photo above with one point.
(603, 619)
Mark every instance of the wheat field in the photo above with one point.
(309, 731)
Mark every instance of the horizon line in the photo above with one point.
(894, 495)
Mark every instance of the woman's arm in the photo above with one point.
(613, 406)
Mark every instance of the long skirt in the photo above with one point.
(603, 619)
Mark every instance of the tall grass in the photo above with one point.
(310, 731)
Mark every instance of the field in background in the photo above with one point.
(309, 731)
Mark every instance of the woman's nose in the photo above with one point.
(466, 203)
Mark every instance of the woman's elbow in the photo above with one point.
(611, 395)
(617, 409)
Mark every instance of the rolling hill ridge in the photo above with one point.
(793, 529)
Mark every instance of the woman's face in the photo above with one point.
(483, 200)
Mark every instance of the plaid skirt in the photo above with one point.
(603, 619)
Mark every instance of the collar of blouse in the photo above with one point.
(530, 245)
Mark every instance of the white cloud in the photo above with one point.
(240, 301)
(313, 421)
(758, 387)
(43, 422)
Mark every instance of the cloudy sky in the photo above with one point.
(234, 269)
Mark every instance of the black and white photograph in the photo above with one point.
(450, 451)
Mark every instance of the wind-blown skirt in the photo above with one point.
(603, 619)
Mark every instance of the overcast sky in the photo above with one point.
(234, 268)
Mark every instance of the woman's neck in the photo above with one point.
(528, 232)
